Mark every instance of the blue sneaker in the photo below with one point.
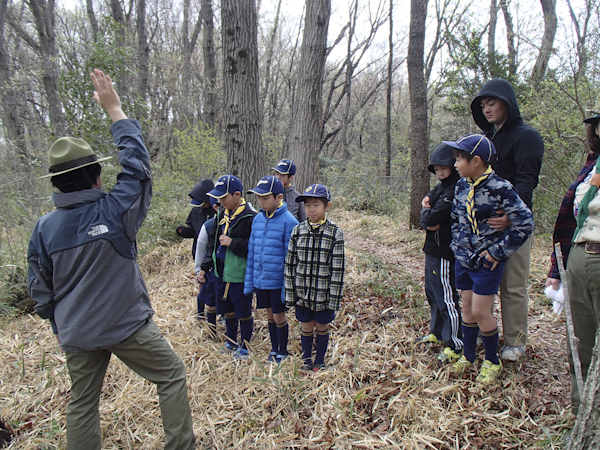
(241, 354)
(272, 356)
(281, 357)
(229, 347)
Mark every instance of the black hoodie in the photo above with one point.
(519, 147)
(198, 215)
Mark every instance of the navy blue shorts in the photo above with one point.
(306, 315)
(481, 281)
(208, 292)
(270, 299)
(232, 299)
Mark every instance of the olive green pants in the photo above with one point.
(148, 354)
(583, 277)
(514, 301)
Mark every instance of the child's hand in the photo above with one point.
(425, 203)
(201, 277)
(595, 181)
(106, 96)
(555, 283)
(225, 240)
(433, 227)
(502, 222)
(489, 258)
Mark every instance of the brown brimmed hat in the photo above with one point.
(69, 153)
(595, 113)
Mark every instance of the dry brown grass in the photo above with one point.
(379, 392)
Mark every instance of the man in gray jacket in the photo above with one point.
(84, 278)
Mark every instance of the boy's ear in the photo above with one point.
(477, 160)
(279, 197)
(328, 206)
(290, 177)
(237, 194)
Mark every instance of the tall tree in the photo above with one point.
(491, 50)
(10, 106)
(307, 116)
(419, 133)
(210, 65)
(143, 57)
(242, 119)
(188, 45)
(388, 96)
(550, 25)
(510, 38)
(43, 12)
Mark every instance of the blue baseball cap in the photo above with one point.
(286, 167)
(314, 191)
(475, 145)
(268, 185)
(214, 201)
(227, 184)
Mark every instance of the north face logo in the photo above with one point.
(98, 230)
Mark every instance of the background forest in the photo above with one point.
(172, 63)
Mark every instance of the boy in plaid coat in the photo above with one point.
(314, 273)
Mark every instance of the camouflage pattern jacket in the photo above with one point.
(492, 195)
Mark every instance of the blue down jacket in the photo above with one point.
(266, 250)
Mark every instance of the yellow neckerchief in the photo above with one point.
(228, 218)
(269, 215)
(319, 223)
(471, 198)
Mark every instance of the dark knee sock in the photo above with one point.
(246, 326)
(470, 332)
(282, 337)
(231, 328)
(273, 335)
(322, 342)
(200, 309)
(490, 345)
(306, 341)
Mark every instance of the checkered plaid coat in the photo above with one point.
(314, 267)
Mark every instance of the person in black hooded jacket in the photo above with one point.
(440, 288)
(200, 213)
(520, 149)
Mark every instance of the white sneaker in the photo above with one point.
(509, 353)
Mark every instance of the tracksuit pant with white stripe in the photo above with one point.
(443, 298)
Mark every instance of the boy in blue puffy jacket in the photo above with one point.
(267, 247)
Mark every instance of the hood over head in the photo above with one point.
(199, 191)
(496, 88)
(442, 155)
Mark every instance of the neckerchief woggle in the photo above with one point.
(471, 198)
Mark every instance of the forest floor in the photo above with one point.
(379, 390)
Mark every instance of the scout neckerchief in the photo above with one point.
(269, 215)
(471, 198)
(319, 223)
(229, 218)
(584, 210)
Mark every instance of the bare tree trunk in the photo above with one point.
(10, 106)
(188, 45)
(269, 59)
(388, 100)
(348, 80)
(92, 16)
(491, 50)
(586, 432)
(210, 65)
(550, 25)
(44, 21)
(118, 16)
(510, 38)
(419, 133)
(242, 127)
(143, 57)
(307, 116)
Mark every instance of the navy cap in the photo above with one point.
(286, 167)
(595, 113)
(268, 185)
(315, 191)
(197, 203)
(227, 184)
(214, 201)
(475, 145)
